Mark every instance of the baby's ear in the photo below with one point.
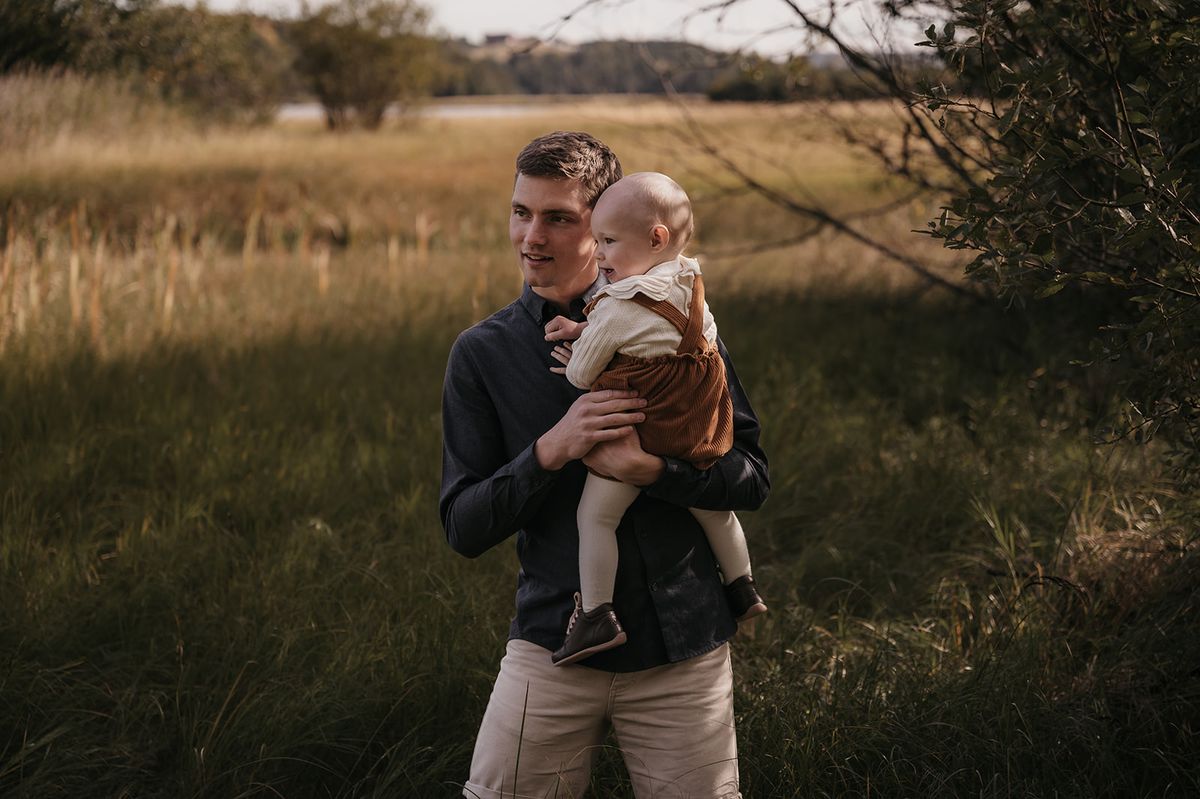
(660, 237)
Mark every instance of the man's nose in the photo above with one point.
(535, 233)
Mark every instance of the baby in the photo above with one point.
(651, 331)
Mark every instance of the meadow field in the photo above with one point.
(221, 568)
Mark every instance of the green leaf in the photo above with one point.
(1051, 290)
(1131, 175)
(1187, 148)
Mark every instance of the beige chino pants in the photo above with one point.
(544, 726)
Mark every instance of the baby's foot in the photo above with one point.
(743, 599)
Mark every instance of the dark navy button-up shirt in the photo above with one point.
(499, 397)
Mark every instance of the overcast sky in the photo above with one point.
(747, 27)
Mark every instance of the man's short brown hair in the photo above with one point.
(574, 155)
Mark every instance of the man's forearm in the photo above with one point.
(550, 452)
(625, 460)
(738, 481)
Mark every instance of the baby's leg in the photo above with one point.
(728, 542)
(724, 533)
(601, 507)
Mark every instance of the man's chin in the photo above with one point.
(536, 279)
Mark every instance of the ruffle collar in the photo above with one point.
(656, 283)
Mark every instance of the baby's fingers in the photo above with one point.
(556, 328)
(561, 354)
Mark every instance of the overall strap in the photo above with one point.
(693, 335)
(664, 309)
(690, 327)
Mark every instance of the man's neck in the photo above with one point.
(560, 297)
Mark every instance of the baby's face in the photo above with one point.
(624, 245)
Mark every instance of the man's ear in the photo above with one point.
(660, 237)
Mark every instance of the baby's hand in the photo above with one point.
(560, 328)
(562, 354)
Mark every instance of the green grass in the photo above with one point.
(222, 572)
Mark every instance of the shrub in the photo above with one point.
(361, 56)
(1080, 167)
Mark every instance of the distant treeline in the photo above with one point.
(358, 57)
(643, 68)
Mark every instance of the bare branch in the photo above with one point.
(884, 73)
(816, 214)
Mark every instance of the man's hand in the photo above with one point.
(560, 328)
(596, 417)
(624, 459)
(562, 354)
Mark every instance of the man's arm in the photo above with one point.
(486, 497)
(737, 481)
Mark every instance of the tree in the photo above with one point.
(1063, 145)
(223, 65)
(361, 56)
(229, 66)
(32, 33)
(755, 78)
(40, 34)
(1086, 168)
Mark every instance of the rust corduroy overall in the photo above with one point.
(689, 414)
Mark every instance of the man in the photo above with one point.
(516, 440)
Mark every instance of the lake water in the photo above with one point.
(312, 111)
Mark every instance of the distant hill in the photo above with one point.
(506, 65)
(515, 65)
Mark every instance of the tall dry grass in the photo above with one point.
(223, 573)
(56, 109)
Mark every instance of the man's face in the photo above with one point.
(550, 229)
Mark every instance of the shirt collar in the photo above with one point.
(542, 310)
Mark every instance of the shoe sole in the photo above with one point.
(755, 610)
(591, 650)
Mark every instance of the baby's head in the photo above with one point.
(640, 221)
